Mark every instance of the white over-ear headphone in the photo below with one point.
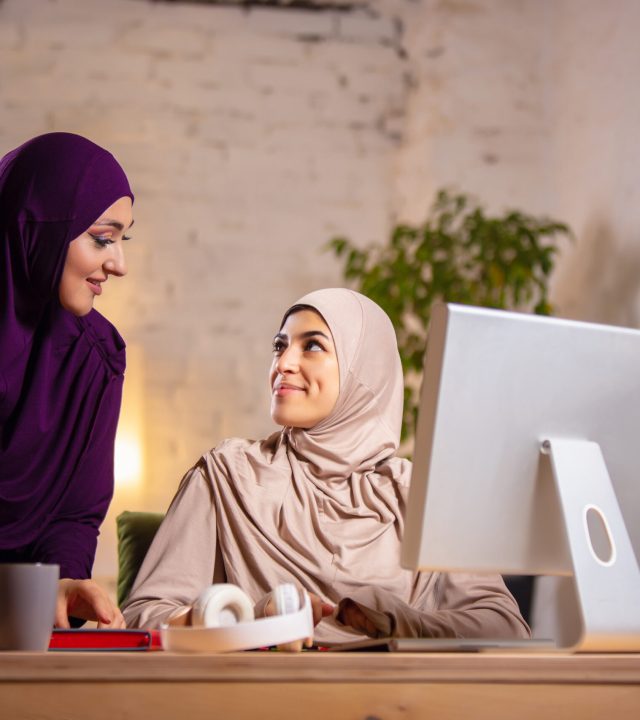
(223, 621)
(221, 605)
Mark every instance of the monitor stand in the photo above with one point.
(605, 572)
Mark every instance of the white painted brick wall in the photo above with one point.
(368, 26)
(294, 23)
(250, 139)
(253, 136)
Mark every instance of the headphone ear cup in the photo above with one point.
(222, 605)
(286, 598)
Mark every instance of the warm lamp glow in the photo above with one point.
(128, 459)
(129, 450)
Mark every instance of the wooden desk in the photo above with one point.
(326, 686)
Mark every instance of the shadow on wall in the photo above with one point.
(602, 278)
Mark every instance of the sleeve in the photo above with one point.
(181, 560)
(71, 535)
(464, 606)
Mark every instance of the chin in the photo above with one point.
(291, 419)
(77, 309)
(278, 419)
(283, 420)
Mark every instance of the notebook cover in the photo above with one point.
(95, 639)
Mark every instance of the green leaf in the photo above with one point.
(458, 254)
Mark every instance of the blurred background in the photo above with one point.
(254, 133)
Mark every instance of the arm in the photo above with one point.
(464, 606)
(70, 537)
(180, 562)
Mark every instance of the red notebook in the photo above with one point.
(94, 639)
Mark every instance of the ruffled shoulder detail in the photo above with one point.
(107, 340)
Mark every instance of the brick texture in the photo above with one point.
(252, 136)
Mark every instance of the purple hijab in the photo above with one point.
(60, 375)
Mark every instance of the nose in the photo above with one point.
(288, 361)
(116, 264)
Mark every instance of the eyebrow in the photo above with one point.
(304, 335)
(112, 223)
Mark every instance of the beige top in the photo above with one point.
(323, 508)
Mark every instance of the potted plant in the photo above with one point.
(459, 254)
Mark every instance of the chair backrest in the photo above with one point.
(521, 587)
(135, 532)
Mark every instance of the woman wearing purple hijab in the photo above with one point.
(65, 205)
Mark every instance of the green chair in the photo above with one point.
(135, 532)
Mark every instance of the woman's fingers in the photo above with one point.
(116, 622)
(293, 646)
(319, 608)
(87, 600)
(61, 618)
(98, 603)
(327, 609)
(353, 616)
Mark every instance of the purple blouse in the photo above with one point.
(60, 375)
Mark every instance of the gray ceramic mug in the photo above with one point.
(27, 605)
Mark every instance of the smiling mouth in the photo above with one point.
(95, 285)
(284, 389)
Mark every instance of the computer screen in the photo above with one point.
(527, 461)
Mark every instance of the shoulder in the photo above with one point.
(232, 444)
(102, 329)
(103, 335)
(227, 456)
(234, 453)
(267, 446)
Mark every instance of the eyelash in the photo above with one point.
(102, 242)
(313, 342)
(279, 346)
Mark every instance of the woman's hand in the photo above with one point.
(87, 600)
(350, 614)
(319, 609)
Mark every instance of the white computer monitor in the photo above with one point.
(527, 461)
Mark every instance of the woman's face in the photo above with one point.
(305, 380)
(95, 255)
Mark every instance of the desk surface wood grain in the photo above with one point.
(322, 667)
(318, 686)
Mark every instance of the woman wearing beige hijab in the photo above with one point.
(320, 503)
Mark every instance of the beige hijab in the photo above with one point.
(363, 430)
(332, 517)
(321, 507)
